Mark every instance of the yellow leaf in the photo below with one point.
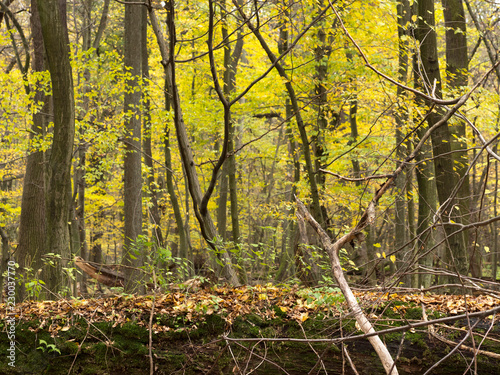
(377, 245)
(393, 258)
(378, 255)
(383, 254)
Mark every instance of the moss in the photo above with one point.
(413, 313)
(189, 346)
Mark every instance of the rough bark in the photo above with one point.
(55, 37)
(32, 224)
(457, 79)
(446, 179)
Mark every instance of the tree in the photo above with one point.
(32, 221)
(132, 187)
(402, 118)
(55, 38)
(457, 76)
(200, 201)
(455, 257)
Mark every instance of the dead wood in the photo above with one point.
(101, 273)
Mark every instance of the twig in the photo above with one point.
(259, 356)
(480, 314)
(353, 368)
(320, 360)
(468, 348)
(451, 352)
(360, 179)
(151, 363)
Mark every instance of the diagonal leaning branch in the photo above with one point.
(367, 218)
(332, 250)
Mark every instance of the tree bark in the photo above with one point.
(456, 257)
(55, 37)
(32, 225)
(153, 209)
(286, 261)
(457, 67)
(333, 249)
(401, 117)
(133, 253)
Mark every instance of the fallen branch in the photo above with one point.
(467, 348)
(102, 274)
(480, 314)
(333, 250)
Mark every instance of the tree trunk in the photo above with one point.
(153, 209)
(309, 163)
(207, 226)
(456, 258)
(457, 72)
(286, 261)
(32, 226)
(231, 59)
(55, 37)
(133, 253)
(401, 117)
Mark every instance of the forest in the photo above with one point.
(340, 148)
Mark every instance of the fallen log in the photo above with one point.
(101, 273)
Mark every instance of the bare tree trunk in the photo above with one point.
(55, 37)
(133, 253)
(457, 74)
(153, 209)
(32, 224)
(309, 162)
(401, 116)
(494, 226)
(456, 258)
(204, 218)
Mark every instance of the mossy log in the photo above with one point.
(196, 347)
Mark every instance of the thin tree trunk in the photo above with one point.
(133, 253)
(207, 226)
(316, 205)
(333, 250)
(231, 59)
(401, 117)
(153, 209)
(286, 261)
(494, 226)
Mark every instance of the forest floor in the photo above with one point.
(195, 330)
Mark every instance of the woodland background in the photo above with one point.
(171, 139)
